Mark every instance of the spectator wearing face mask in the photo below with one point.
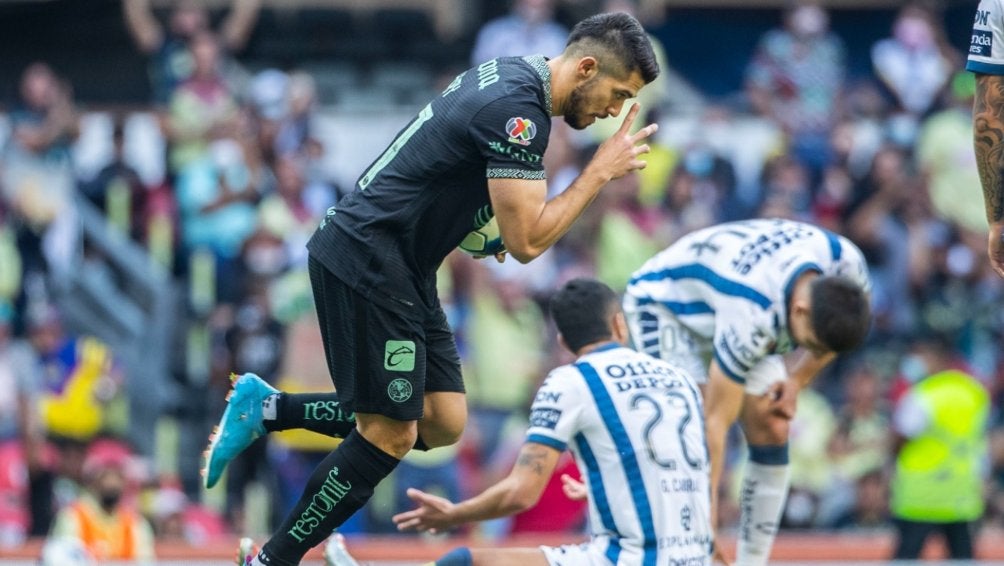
(795, 79)
(915, 64)
(101, 519)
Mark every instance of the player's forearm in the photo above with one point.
(715, 431)
(558, 214)
(723, 401)
(500, 500)
(988, 140)
(808, 365)
(519, 491)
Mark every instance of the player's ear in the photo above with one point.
(587, 68)
(800, 318)
(800, 307)
(619, 328)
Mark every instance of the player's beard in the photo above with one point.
(576, 115)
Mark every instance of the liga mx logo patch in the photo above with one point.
(521, 130)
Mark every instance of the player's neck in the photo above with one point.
(602, 344)
(559, 92)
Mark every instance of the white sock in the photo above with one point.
(764, 490)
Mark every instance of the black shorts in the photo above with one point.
(380, 361)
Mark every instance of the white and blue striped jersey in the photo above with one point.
(635, 426)
(729, 284)
(986, 44)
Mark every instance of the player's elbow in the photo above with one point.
(524, 252)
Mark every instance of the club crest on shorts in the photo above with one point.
(399, 355)
(399, 390)
(521, 130)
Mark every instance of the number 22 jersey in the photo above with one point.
(635, 426)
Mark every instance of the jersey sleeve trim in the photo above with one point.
(789, 287)
(506, 173)
(703, 273)
(679, 308)
(728, 370)
(547, 441)
(836, 249)
(539, 64)
(985, 68)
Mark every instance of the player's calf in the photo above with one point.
(340, 485)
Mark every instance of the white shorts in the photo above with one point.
(585, 554)
(656, 331)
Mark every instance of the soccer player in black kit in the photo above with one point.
(476, 148)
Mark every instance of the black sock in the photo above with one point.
(317, 412)
(339, 487)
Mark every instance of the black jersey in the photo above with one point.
(418, 200)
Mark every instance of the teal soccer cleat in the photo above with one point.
(240, 425)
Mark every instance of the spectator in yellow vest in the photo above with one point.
(941, 440)
(108, 527)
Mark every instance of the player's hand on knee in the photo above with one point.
(433, 514)
(573, 488)
(782, 398)
(621, 154)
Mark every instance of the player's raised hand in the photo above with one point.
(433, 513)
(573, 488)
(620, 154)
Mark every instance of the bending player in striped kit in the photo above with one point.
(753, 310)
(633, 424)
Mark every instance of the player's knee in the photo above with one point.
(399, 445)
(768, 429)
(775, 430)
(393, 437)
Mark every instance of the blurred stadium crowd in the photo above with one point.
(147, 253)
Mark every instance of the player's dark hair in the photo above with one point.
(617, 41)
(841, 315)
(582, 311)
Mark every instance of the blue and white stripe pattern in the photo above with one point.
(635, 427)
(729, 285)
